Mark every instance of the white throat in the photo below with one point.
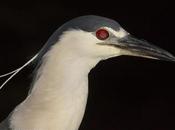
(58, 99)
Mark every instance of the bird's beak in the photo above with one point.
(135, 47)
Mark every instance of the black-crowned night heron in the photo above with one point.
(58, 95)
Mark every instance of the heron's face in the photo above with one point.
(106, 42)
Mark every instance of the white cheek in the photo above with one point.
(106, 51)
(84, 44)
(78, 42)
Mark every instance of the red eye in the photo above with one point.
(102, 34)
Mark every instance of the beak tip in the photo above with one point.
(169, 58)
(173, 59)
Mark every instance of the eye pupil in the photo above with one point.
(102, 34)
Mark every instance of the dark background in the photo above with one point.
(126, 93)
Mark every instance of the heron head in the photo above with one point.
(99, 37)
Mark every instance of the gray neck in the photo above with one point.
(59, 95)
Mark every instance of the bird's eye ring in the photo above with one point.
(102, 34)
